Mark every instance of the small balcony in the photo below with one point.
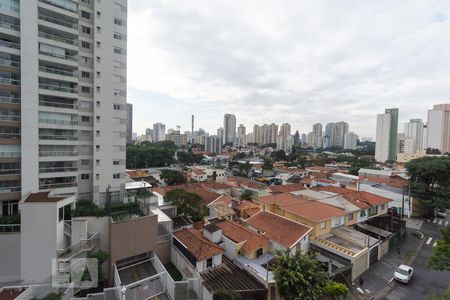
(58, 137)
(10, 154)
(63, 4)
(51, 186)
(6, 172)
(57, 153)
(9, 25)
(58, 21)
(10, 224)
(57, 55)
(10, 118)
(9, 81)
(59, 71)
(58, 170)
(9, 136)
(9, 99)
(58, 122)
(58, 88)
(9, 63)
(58, 38)
(9, 44)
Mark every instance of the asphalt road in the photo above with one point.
(425, 282)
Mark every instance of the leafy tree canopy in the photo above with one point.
(172, 177)
(440, 260)
(278, 155)
(187, 203)
(300, 276)
(148, 154)
(336, 290)
(224, 294)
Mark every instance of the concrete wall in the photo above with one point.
(132, 237)
(201, 265)
(10, 257)
(214, 237)
(359, 265)
(186, 269)
(163, 251)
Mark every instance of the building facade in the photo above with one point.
(386, 140)
(229, 127)
(129, 123)
(159, 132)
(414, 136)
(350, 141)
(438, 128)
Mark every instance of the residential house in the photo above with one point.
(387, 177)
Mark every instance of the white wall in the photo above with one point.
(201, 265)
(230, 247)
(359, 218)
(10, 257)
(337, 221)
(214, 237)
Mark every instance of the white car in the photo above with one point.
(442, 213)
(403, 273)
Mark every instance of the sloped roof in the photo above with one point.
(43, 197)
(239, 234)
(279, 229)
(200, 247)
(361, 199)
(286, 188)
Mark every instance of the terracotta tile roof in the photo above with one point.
(282, 199)
(238, 234)
(224, 199)
(318, 169)
(196, 244)
(282, 230)
(286, 188)
(306, 181)
(252, 211)
(245, 204)
(215, 185)
(315, 211)
(361, 199)
(42, 197)
(242, 182)
(198, 172)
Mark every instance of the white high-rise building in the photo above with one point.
(159, 132)
(229, 127)
(413, 136)
(241, 140)
(316, 141)
(285, 129)
(386, 140)
(350, 141)
(63, 98)
(438, 128)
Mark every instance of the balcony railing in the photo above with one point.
(9, 136)
(10, 63)
(78, 247)
(57, 104)
(64, 4)
(9, 118)
(10, 26)
(57, 38)
(57, 185)
(58, 71)
(58, 122)
(58, 169)
(9, 189)
(9, 44)
(10, 154)
(58, 88)
(11, 6)
(9, 228)
(66, 57)
(57, 153)
(58, 137)
(10, 99)
(9, 172)
(10, 81)
(58, 21)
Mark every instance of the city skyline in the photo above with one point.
(268, 74)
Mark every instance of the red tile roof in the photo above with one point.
(282, 230)
(282, 199)
(196, 244)
(238, 234)
(252, 211)
(245, 204)
(242, 182)
(286, 188)
(198, 172)
(359, 198)
(42, 197)
(224, 199)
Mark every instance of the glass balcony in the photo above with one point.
(58, 169)
(10, 5)
(10, 26)
(48, 186)
(58, 71)
(9, 44)
(58, 21)
(57, 55)
(57, 153)
(10, 189)
(9, 99)
(58, 122)
(58, 88)
(58, 38)
(12, 118)
(9, 63)
(9, 172)
(10, 81)
(58, 137)
(9, 136)
(64, 4)
(10, 154)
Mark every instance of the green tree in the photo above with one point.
(267, 165)
(336, 290)
(440, 260)
(246, 195)
(101, 257)
(148, 154)
(278, 155)
(172, 177)
(187, 203)
(189, 158)
(445, 295)
(299, 276)
(430, 181)
(224, 294)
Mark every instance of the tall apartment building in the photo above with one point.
(336, 132)
(63, 98)
(129, 123)
(257, 134)
(229, 127)
(213, 144)
(438, 128)
(350, 141)
(386, 140)
(241, 140)
(285, 130)
(414, 136)
(316, 141)
(159, 132)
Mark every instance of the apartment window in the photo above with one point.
(85, 119)
(97, 89)
(337, 221)
(85, 176)
(373, 211)
(97, 177)
(362, 213)
(86, 1)
(98, 74)
(118, 21)
(97, 147)
(116, 176)
(209, 262)
(116, 162)
(85, 162)
(97, 118)
(97, 133)
(85, 89)
(117, 50)
(98, 59)
(97, 162)
(116, 106)
(85, 59)
(85, 14)
(117, 36)
(99, 29)
(85, 45)
(350, 217)
(61, 214)
(98, 45)
(86, 30)
(85, 74)
(99, 14)
(97, 103)
(323, 225)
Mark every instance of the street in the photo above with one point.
(378, 281)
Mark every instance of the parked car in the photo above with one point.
(441, 213)
(403, 273)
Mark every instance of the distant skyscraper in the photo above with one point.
(129, 123)
(350, 141)
(241, 140)
(438, 128)
(213, 144)
(285, 130)
(341, 131)
(273, 133)
(330, 131)
(414, 135)
(192, 129)
(304, 138)
(297, 139)
(220, 134)
(386, 140)
(257, 134)
(229, 127)
(159, 132)
(317, 136)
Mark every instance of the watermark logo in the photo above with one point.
(80, 273)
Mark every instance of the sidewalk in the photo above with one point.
(378, 276)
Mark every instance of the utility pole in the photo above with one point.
(403, 201)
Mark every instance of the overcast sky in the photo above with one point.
(297, 61)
